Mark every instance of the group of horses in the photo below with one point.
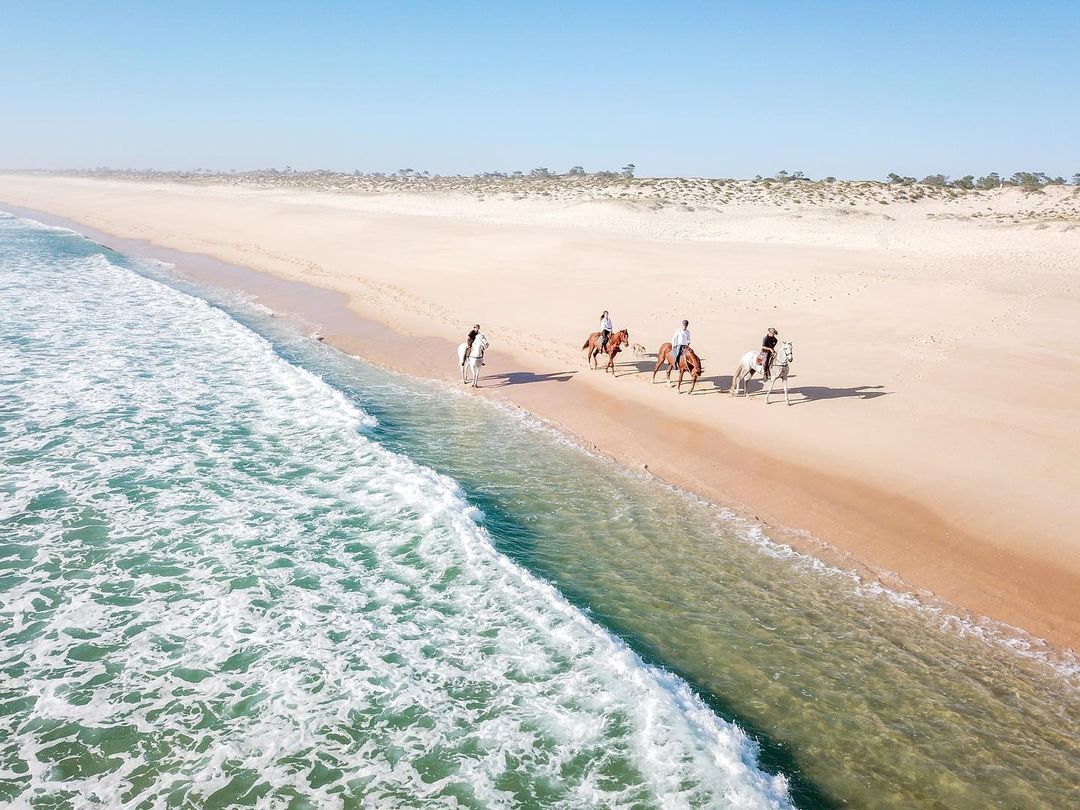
(689, 363)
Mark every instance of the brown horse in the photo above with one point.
(615, 341)
(688, 362)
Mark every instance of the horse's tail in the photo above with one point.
(585, 345)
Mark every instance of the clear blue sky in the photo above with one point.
(723, 89)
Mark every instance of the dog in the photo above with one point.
(638, 350)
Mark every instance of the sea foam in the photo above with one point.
(217, 588)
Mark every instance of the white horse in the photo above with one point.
(476, 359)
(781, 365)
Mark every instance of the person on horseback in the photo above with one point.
(768, 348)
(679, 341)
(605, 330)
(469, 342)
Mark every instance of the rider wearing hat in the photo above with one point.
(768, 348)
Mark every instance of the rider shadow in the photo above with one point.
(721, 384)
(812, 393)
(639, 366)
(524, 377)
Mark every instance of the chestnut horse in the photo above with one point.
(615, 340)
(688, 362)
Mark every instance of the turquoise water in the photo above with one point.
(238, 567)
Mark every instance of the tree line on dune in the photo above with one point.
(1028, 181)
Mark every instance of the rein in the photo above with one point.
(781, 359)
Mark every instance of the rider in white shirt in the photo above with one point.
(605, 330)
(679, 341)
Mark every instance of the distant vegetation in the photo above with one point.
(1028, 181)
(787, 190)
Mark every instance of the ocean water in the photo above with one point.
(238, 568)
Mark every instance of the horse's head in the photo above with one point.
(788, 350)
(482, 341)
(623, 337)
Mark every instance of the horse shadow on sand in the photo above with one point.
(638, 366)
(645, 366)
(813, 393)
(720, 384)
(803, 394)
(523, 378)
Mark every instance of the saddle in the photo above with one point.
(761, 359)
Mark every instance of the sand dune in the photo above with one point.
(936, 377)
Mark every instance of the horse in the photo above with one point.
(689, 361)
(591, 347)
(781, 366)
(475, 360)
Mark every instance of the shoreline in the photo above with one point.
(850, 523)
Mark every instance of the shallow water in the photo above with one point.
(244, 567)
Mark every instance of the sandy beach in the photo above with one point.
(930, 441)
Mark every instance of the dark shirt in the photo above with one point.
(768, 342)
(472, 335)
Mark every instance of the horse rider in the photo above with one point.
(605, 330)
(679, 341)
(469, 342)
(768, 348)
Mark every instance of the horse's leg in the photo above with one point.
(679, 387)
(693, 383)
(475, 374)
(772, 382)
(656, 368)
(787, 399)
